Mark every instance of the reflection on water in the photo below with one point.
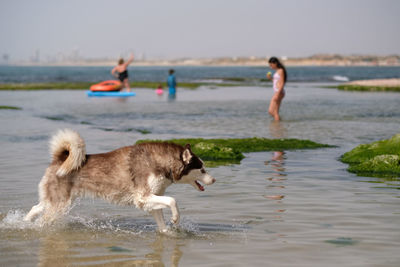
(277, 129)
(276, 186)
(171, 97)
(276, 181)
(108, 242)
(68, 249)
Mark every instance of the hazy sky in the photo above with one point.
(203, 28)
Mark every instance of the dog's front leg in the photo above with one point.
(35, 211)
(159, 218)
(155, 202)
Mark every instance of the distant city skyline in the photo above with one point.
(46, 30)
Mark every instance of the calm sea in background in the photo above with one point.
(12, 74)
(277, 208)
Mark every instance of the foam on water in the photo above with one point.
(340, 78)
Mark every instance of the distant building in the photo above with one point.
(141, 57)
(35, 58)
(5, 59)
(75, 55)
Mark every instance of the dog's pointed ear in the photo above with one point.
(187, 154)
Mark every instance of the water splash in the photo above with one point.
(118, 226)
(188, 228)
(15, 220)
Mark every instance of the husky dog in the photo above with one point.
(133, 175)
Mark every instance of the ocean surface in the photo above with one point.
(15, 74)
(277, 208)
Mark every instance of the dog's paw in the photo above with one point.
(175, 219)
(163, 231)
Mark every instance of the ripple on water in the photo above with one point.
(24, 139)
(67, 118)
(187, 228)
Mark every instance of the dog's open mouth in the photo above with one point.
(201, 188)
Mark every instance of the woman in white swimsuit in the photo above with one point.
(279, 80)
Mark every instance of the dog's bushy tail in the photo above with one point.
(68, 147)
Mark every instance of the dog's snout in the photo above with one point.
(208, 179)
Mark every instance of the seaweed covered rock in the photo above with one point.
(210, 151)
(217, 152)
(215, 155)
(10, 107)
(379, 159)
(382, 85)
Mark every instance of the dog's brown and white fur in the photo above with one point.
(134, 175)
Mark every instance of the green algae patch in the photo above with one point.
(216, 152)
(367, 88)
(342, 241)
(154, 85)
(377, 159)
(46, 86)
(118, 249)
(10, 107)
(143, 131)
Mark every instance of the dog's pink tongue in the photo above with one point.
(200, 186)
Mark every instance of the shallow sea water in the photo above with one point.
(278, 208)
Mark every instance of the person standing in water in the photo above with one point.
(120, 71)
(171, 81)
(279, 81)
